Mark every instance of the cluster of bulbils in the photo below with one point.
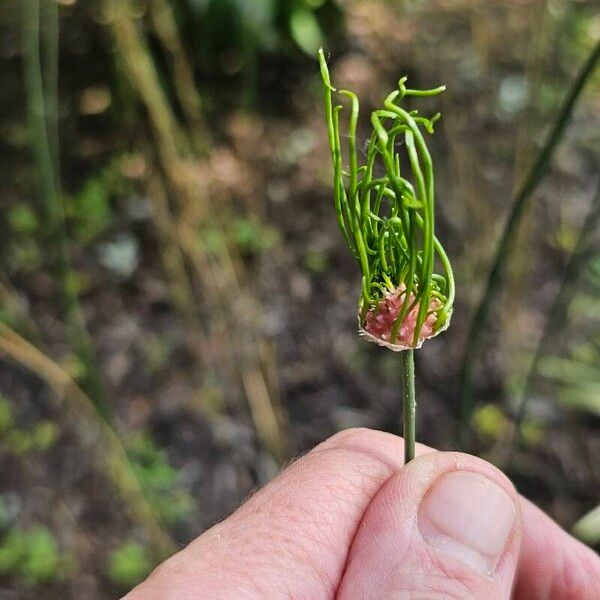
(388, 219)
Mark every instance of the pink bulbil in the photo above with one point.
(379, 321)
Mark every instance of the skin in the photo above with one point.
(344, 521)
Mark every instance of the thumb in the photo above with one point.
(445, 526)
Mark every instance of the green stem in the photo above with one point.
(409, 403)
(43, 129)
(474, 338)
(49, 17)
(557, 314)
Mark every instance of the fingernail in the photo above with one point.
(468, 516)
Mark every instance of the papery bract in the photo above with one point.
(379, 321)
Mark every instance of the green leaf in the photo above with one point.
(316, 261)
(44, 434)
(252, 236)
(18, 442)
(22, 219)
(305, 29)
(92, 210)
(489, 420)
(129, 564)
(587, 529)
(42, 561)
(585, 396)
(159, 479)
(32, 555)
(568, 371)
(12, 551)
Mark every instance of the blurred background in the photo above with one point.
(177, 307)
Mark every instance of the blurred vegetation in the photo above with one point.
(32, 556)
(176, 306)
(129, 564)
(159, 480)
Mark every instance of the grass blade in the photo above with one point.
(538, 170)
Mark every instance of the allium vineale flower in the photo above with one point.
(388, 220)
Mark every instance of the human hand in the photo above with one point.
(347, 521)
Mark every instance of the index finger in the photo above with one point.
(291, 538)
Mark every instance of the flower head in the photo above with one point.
(388, 221)
(378, 325)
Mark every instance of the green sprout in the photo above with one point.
(388, 221)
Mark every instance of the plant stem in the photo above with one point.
(99, 441)
(42, 116)
(409, 403)
(557, 315)
(494, 280)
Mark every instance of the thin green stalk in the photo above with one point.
(100, 442)
(409, 403)
(43, 127)
(474, 338)
(557, 314)
(36, 109)
(49, 17)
